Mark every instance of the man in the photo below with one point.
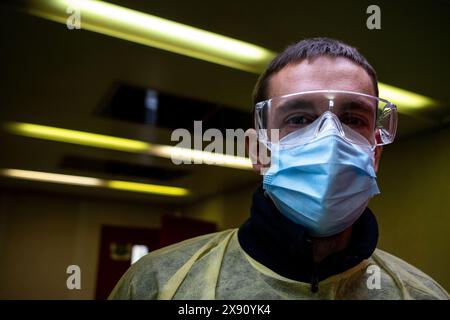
(310, 234)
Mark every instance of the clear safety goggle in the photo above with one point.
(362, 119)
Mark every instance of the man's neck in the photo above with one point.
(323, 247)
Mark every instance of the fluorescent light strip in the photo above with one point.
(51, 177)
(147, 188)
(146, 29)
(94, 182)
(77, 137)
(127, 145)
(199, 156)
(405, 100)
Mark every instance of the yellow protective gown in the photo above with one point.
(214, 266)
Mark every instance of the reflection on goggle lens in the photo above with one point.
(373, 118)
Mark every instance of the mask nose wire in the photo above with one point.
(329, 123)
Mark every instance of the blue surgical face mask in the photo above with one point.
(323, 185)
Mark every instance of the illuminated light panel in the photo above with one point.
(147, 188)
(184, 154)
(137, 252)
(94, 182)
(405, 100)
(127, 145)
(77, 137)
(146, 29)
(51, 177)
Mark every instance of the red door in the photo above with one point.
(175, 229)
(117, 244)
(116, 248)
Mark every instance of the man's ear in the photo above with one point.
(251, 146)
(378, 151)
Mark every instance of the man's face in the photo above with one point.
(322, 73)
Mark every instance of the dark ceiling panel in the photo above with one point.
(149, 106)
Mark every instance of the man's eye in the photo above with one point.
(298, 120)
(353, 121)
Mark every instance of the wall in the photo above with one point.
(228, 210)
(413, 209)
(41, 234)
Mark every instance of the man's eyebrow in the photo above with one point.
(295, 104)
(357, 105)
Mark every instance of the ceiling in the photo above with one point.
(59, 77)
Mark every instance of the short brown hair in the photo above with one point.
(309, 49)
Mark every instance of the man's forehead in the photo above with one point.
(322, 73)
